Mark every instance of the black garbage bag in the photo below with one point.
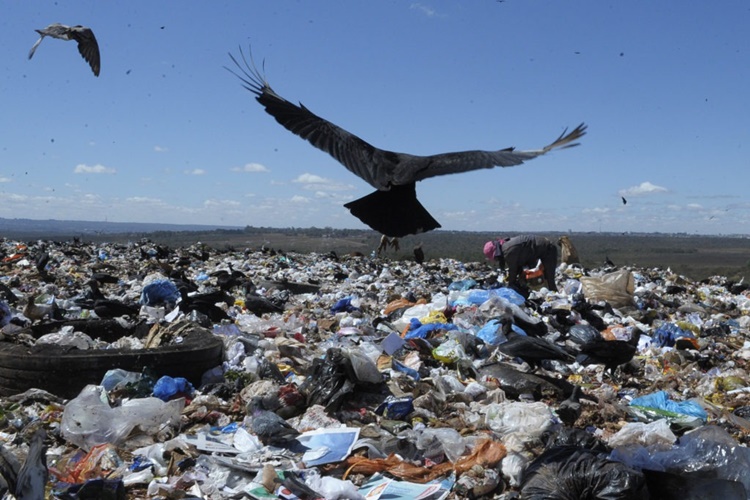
(574, 473)
(670, 486)
(575, 437)
(330, 381)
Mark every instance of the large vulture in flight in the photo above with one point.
(393, 209)
(87, 45)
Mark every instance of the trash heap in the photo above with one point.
(140, 371)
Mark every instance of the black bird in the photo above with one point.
(624, 201)
(418, 254)
(610, 353)
(393, 209)
(270, 428)
(570, 409)
(533, 350)
(87, 44)
(205, 304)
(608, 262)
(104, 278)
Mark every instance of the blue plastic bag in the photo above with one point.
(167, 388)
(344, 305)
(418, 330)
(668, 333)
(159, 292)
(481, 296)
(660, 401)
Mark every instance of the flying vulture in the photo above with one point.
(393, 209)
(87, 45)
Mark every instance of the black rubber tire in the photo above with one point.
(64, 371)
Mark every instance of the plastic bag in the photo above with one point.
(615, 288)
(332, 488)
(364, 368)
(571, 473)
(444, 440)
(527, 420)
(656, 435)
(708, 451)
(660, 403)
(167, 388)
(159, 292)
(88, 420)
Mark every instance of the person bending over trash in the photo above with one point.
(524, 251)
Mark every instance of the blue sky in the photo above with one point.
(166, 134)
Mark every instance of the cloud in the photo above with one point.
(596, 210)
(251, 167)
(312, 182)
(4, 179)
(82, 168)
(642, 189)
(300, 199)
(195, 171)
(425, 9)
(160, 149)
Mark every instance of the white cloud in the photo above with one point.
(317, 183)
(82, 168)
(425, 9)
(694, 206)
(596, 210)
(311, 179)
(300, 199)
(4, 179)
(251, 167)
(195, 171)
(643, 188)
(160, 149)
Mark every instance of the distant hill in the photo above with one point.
(52, 228)
(695, 256)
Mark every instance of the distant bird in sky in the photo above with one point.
(87, 45)
(393, 209)
(624, 201)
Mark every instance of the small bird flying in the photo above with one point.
(393, 209)
(87, 45)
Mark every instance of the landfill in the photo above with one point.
(135, 370)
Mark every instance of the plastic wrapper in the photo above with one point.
(615, 288)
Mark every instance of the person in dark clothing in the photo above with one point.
(525, 250)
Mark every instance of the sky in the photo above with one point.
(166, 134)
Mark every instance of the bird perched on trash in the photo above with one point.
(532, 350)
(610, 353)
(32, 477)
(38, 312)
(393, 209)
(570, 409)
(418, 254)
(87, 44)
(270, 428)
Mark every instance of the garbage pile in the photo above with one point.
(140, 371)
